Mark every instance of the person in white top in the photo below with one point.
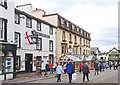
(59, 71)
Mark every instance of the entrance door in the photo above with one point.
(28, 62)
(51, 58)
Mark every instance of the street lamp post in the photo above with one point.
(84, 58)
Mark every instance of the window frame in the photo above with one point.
(75, 50)
(64, 49)
(30, 23)
(38, 26)
(17, 18)
(63, 35)
(80, 40)
(70, 37)
(75, 37)
(19, 39)
(3, 3)
(4, 28)
(40, 44)
(50, 43)
(18, 59)
(50, 30)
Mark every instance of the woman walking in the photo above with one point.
(86, 71)
(59, 71)
(80, 66)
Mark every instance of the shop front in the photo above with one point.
(114, 58)
(7, 61)
(76, 59)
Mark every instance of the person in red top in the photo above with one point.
(51, 68)
(80, 66)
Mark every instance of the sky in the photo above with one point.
(98, 17)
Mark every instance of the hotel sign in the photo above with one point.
(40, 34)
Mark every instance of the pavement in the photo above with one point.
(51, 78)
(30, 77)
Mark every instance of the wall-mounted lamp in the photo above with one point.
(22, 16)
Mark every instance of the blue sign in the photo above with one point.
(8, 63)
(8, 67)
(8, 59)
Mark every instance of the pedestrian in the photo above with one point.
(96, 68)
(59, 71)
(51, 68)
(70, 70)
(80, 67)
(103, 67)
(64, 68)
(110, 66)
(100, 67)
(46, 70)
(116, 65)
(86, 71)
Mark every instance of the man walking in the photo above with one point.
(70, 70)
(96, 68)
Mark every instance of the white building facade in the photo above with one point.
(28, 28)
(24, 40)
(7, 48)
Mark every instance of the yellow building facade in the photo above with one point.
(70, 39)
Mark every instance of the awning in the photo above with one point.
(1, 53)
(72, 57)
(88, 58)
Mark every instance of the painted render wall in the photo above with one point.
(9, 15)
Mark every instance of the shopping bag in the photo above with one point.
(74, 76)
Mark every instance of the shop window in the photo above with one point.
(8, 62)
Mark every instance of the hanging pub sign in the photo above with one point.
(32, 37)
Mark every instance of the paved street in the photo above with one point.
(108, 76)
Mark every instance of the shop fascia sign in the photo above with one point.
(40, 34)
(35, 35)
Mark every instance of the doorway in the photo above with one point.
(28, 62)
